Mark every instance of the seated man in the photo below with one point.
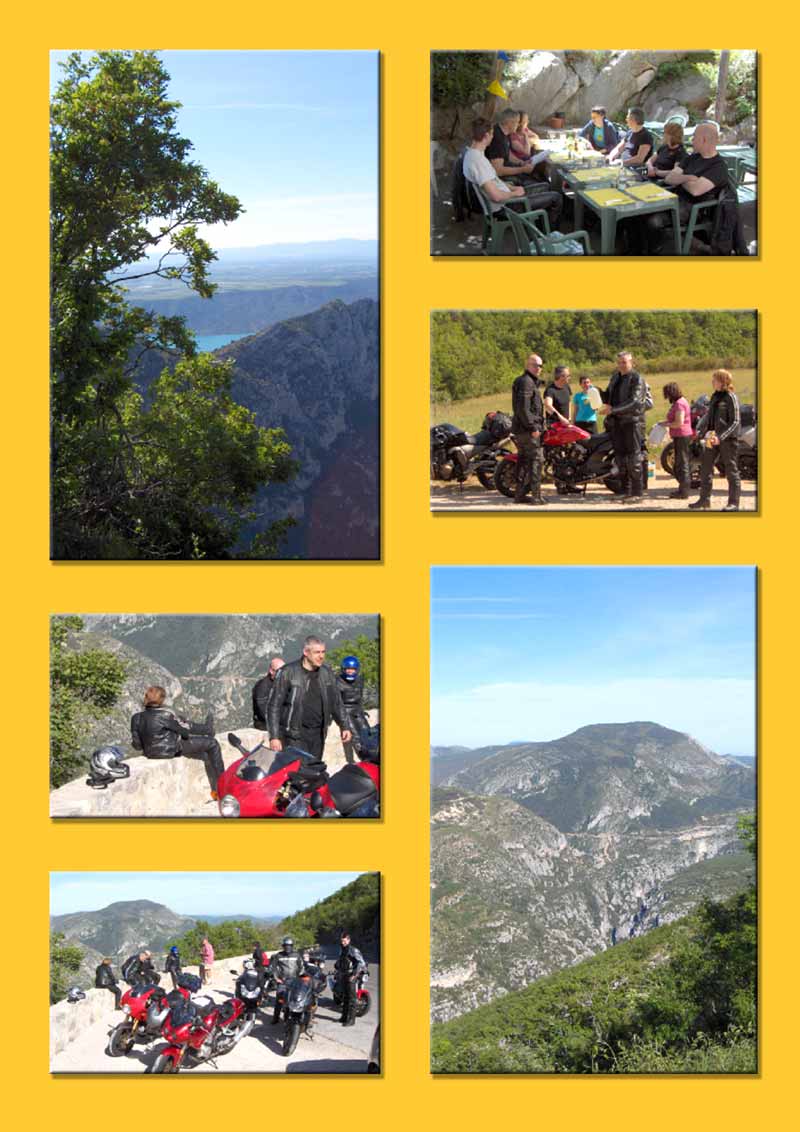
(482, 173)
(599, 132)
(637, 145)
(499, 149)
(701, 177)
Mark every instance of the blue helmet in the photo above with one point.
(350, 662)
(173, 950)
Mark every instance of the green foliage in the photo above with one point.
(681, 998)
(65, 962)
(83, 686)
(368, 651)
(169, 475)
(356, 907)
(480, 352)
(680, 68)
(234, 937)
(459, 78)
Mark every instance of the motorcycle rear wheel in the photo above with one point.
(120, 1041)
(291, 1038)
(505, 478)
(162, 1064)
(486, 476)
(363, 1005)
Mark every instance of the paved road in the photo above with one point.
(473, 497)
(333, 1049)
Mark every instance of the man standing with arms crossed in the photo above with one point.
(526, 428)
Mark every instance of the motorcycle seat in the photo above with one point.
(349, 787)
(598, 440)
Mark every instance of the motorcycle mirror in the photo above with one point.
(234, 740)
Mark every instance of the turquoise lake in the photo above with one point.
(208, 342)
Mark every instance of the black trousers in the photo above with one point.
(627, 437)
(682, 472)
(207, 750)
(652, 226)
(529, 464)
(311, 741)
(349, 1002)
(728, 450)
(551, 202)
(117, 993)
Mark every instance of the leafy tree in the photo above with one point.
(355, 907)
(368, 651)
(234, 937)
(133, 476)
(83, 686)
(65, 962)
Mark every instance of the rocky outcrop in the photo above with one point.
(689, 92)
(166, 787)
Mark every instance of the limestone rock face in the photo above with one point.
(690, 92)
(167, 787)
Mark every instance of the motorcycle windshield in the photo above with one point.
(298, 994)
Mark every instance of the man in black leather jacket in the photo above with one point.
(526, 428)
(304, 701)
(262, 692)
(139, 969)
(159, 734)
(105, 979)
(350, 682)
(623, 401)
(350, 965)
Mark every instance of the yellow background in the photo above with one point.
(398, 587)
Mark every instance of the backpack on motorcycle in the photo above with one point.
(189, 982)
(498, 425)
(126, 970)
(447, 435)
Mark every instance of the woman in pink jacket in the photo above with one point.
(206, 959)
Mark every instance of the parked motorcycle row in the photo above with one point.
(196, 1029)
(573, 458)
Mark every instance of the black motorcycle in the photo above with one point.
(748, 445)
(456, 455)
(300, 998)
(363, 997)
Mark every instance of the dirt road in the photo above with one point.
(333, 1048)
(473, 497)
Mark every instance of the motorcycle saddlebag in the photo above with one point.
(349, 787)
(447, 435)
(189, 982)
(747, 416)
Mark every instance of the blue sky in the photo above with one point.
(212, 894)
(536, 652)
(293, 134)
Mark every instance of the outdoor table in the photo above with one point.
(628, 207)
(563, 163)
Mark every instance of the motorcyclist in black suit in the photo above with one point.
(350, 965)
(172, 966)
(262, 692)
(159, 734)
(623, 400)
(105, 979)
(304, 701)
(350, 682)
(138, 970)
(283, 966)
(527, 428)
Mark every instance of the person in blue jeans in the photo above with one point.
(582, 413)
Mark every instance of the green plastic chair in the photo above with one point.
(495, 225)
(532, 240)
(701, 219)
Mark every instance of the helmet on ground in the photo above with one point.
(75, 994)
(287, 941)
(108, 764)
(353, 663)
(248, 964)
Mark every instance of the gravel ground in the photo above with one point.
(333, 1048)
(473, 497)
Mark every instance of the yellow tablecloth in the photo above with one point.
(607, 198)
(649, 193)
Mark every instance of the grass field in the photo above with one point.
(469, 414)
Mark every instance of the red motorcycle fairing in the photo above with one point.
(257, 799)
(559, 434)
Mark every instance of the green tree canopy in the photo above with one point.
(133, 476)
(65, 961)
(83, 686)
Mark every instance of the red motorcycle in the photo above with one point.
(573, 458)
(196, 1034)
(146, 1008)
(293, 784)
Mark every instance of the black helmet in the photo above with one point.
(287, 942)
(106, 765)
(75, 994)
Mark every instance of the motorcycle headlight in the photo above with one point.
(126, 1009)
(229, 806)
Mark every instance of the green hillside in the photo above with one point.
(355, 907)
(681, 998)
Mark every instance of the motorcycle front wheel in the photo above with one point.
(162, 1064)
(120, 1041)
(363, 1005)
(505, 478)
(291, 1038)
(485, 474)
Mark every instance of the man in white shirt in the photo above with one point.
(479, 171)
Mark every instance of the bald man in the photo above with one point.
(700, 177)
(527, 428)
(262, 692)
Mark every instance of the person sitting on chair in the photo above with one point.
(480, 172)
(599, 132)
(637, 145)
(700, 178)
(670, 154)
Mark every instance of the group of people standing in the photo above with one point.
(625, 402)
(295, 703)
